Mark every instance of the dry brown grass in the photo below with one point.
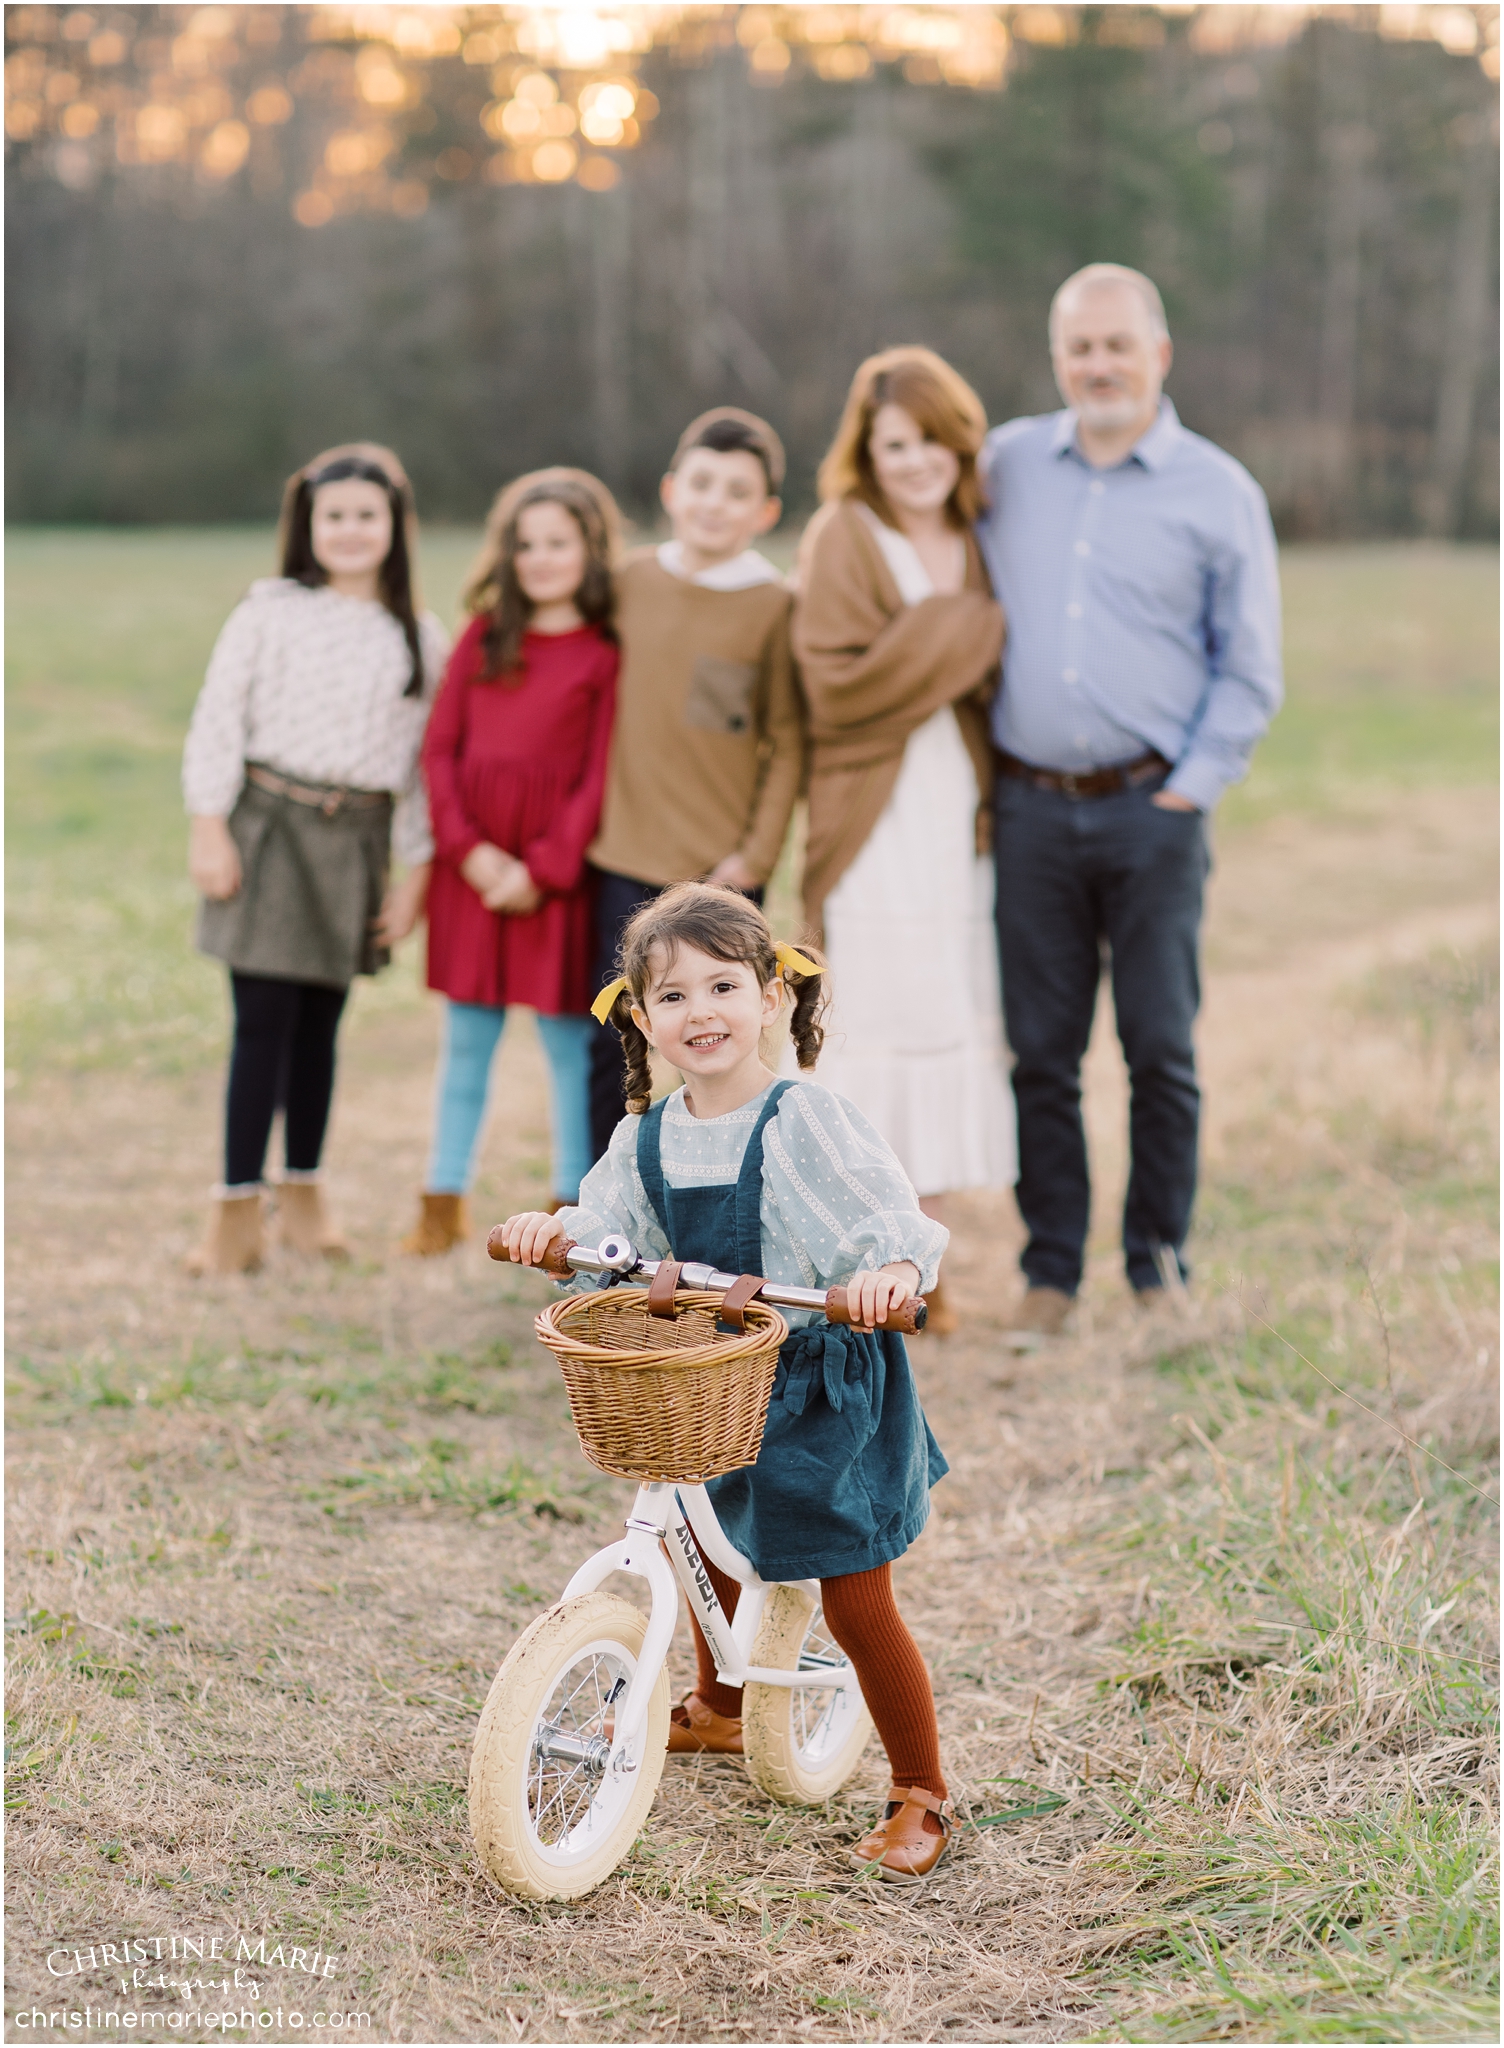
(269, 1540)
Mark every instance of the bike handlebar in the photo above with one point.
(564, 1257)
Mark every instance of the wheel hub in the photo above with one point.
(589, 1753)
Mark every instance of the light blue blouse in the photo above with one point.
(1142, 602)
(835, 1200)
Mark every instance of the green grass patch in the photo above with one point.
(1298, 1840)
(1449, 998)
(1391, 670)
(343, 1370)
(1377, 1927)
(439, 1474)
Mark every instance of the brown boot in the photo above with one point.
(942, 1320)
(443, 1222)
(694, 1729)
(233, 1242)
(1038, 1317)
(303, 1222)
(900, 1847)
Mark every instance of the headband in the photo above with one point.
(789, 959)
(351, 469)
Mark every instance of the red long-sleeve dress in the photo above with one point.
(520, 763)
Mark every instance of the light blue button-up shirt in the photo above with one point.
(1142, 602)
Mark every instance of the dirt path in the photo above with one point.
(293, 1523)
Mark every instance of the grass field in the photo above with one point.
(1209, 1597)
(1392, 684)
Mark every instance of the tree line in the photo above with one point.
(1321, 216)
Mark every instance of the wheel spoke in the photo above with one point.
(567, 1706)
(561, 1794)
(818, 1715)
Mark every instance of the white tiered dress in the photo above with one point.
(915, 1033)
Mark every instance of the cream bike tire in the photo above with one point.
(801, 1744)
(552, 1826)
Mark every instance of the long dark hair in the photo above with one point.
(493, 592)
(725, 924)
(396, 577)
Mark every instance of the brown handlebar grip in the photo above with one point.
(555, 1259)
(907, 1317)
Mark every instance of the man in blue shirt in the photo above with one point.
(1135, 562)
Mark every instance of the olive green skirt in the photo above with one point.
(310, 887)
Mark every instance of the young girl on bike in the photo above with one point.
(756, 1175)
(515, 761)
(300, 774)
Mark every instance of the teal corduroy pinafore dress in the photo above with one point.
(842, 1482)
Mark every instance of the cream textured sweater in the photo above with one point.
(311, 683)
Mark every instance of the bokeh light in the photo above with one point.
(336, 104)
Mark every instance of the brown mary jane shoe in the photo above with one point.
(898, 1847)
(697, 1730)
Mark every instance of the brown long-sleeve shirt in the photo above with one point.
(708, 750)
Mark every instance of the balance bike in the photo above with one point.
(574, 1732)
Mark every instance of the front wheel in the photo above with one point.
(802, 1743)
(552, 1810)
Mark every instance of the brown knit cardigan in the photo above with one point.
(874, 670)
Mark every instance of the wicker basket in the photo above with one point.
(660, 1399)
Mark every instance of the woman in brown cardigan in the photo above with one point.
(898, 636)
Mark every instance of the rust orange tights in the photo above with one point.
(862, 1615)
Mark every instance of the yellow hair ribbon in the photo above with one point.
(790, 957)
(786, 956)
(605, 1002)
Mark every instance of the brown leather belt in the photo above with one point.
(327, 797)
(1091, 781)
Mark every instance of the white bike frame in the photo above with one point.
(660, 1516)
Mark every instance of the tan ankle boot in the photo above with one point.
(303, 1222)
(1038, 1317)
(443, 1223)
(233, 1242)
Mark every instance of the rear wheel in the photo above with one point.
(552, 1810)
(804, 1742)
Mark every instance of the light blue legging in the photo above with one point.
(471, 1034)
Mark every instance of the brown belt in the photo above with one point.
(1091, 781)
(327, 797)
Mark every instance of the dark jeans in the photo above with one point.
(1071, 874)
(283, 1057)
(617, 897)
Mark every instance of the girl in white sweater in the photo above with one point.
(300, 776)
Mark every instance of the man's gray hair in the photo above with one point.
(1114, 273)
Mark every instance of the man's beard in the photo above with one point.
(1117, 410)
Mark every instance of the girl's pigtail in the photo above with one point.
(811, 1001)
(639, 1075)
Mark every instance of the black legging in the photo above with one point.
(283, 1057)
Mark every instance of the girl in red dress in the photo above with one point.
(515, 761)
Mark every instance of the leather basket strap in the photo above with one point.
(661, 1291)
(738, 1294)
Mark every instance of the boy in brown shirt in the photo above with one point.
(708, 748)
